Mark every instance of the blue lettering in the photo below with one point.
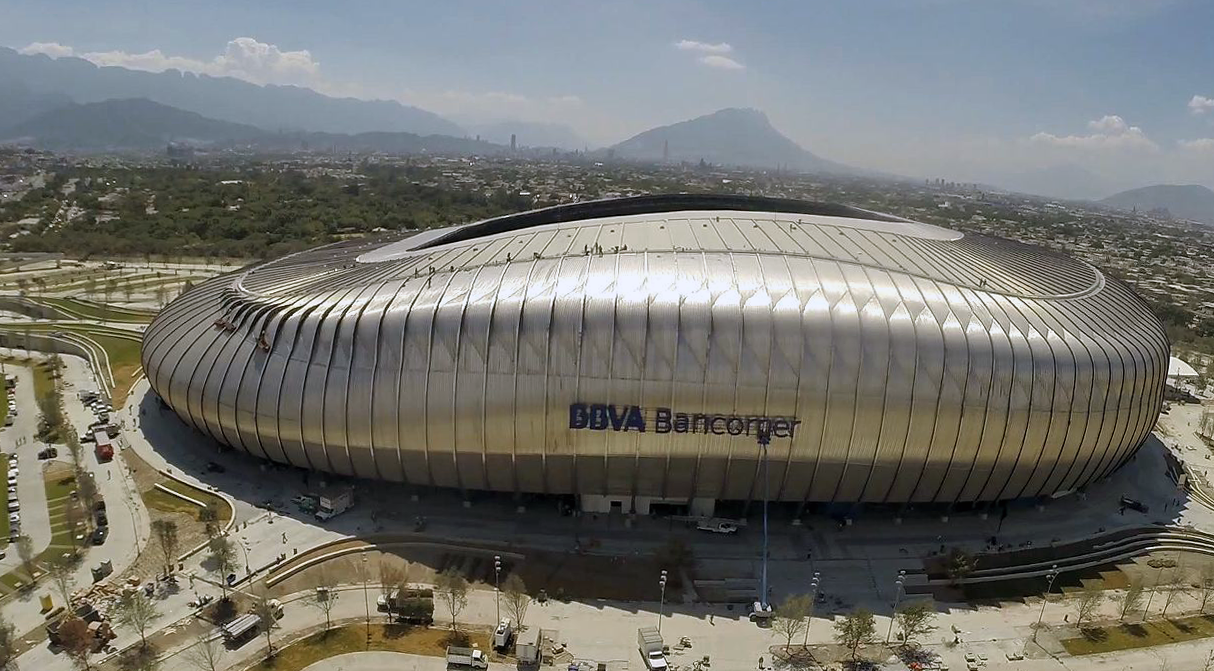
(635, 420)
(598, 417)
(579, 418)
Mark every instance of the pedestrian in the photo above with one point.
(710, 620)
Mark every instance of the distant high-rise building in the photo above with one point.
(665, 150)
(513, 142)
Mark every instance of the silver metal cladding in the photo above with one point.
(630, 349)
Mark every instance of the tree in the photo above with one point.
(959, 564)
(789, 618)
(206, 652)
(325, 597)
(452, 588)
(77, 641)
(8, 646)
(136, 609)
(222, 555)
(165, 532)
(1087, 604)
(264, 609)
(25, 550)
(1173, 587)
(1129, 600)
(390, 577)
(915, 619)
(210, 520)
(1205, 584)
(854, 630)
(514, 590)
(86, 487)
(60, 570)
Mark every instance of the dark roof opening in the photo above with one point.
(652, 204)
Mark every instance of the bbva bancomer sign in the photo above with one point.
(611, 417)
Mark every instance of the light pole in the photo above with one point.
(1053, 573)
(366, 602)
(764, 438)
(662, 599)
(497, 585)
(813, 595)
(897, 595)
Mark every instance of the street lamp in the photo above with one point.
(662, 600)
(497, 585)
(366, 602)
(764, 438)
(813, 595)
(897, 594)
(1053, 573)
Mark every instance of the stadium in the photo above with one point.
(652, 350)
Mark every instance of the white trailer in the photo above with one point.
(503, 635)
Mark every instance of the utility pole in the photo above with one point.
(813, 595)
(497, 585)
(662, 599)
(1053, 573)
(366, 602)
(897, 594)
(764, 438)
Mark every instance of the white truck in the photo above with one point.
(718, 526)
(334, 502)
(649, 642)
(466, 658)
(503, 635)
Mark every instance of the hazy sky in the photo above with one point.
(961, 89)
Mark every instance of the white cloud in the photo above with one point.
(1200, 144)
(52, 49)
(243, 58)
(1201, 105)
(704, 47)
(1108, 132)
(722, 62)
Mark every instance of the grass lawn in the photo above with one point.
(102, 312)
(1141, 635)
(122, 351)
(353, 638)
(154, 498)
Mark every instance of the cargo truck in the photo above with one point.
(649, 642)
(466, 658)
(334, 502)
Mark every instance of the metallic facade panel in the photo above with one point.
(887, 361)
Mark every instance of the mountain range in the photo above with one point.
(732, 136)
(26, 79)
(1185, 201)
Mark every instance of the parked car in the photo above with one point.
(99, 534)
(14, 506)
(48, 453)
